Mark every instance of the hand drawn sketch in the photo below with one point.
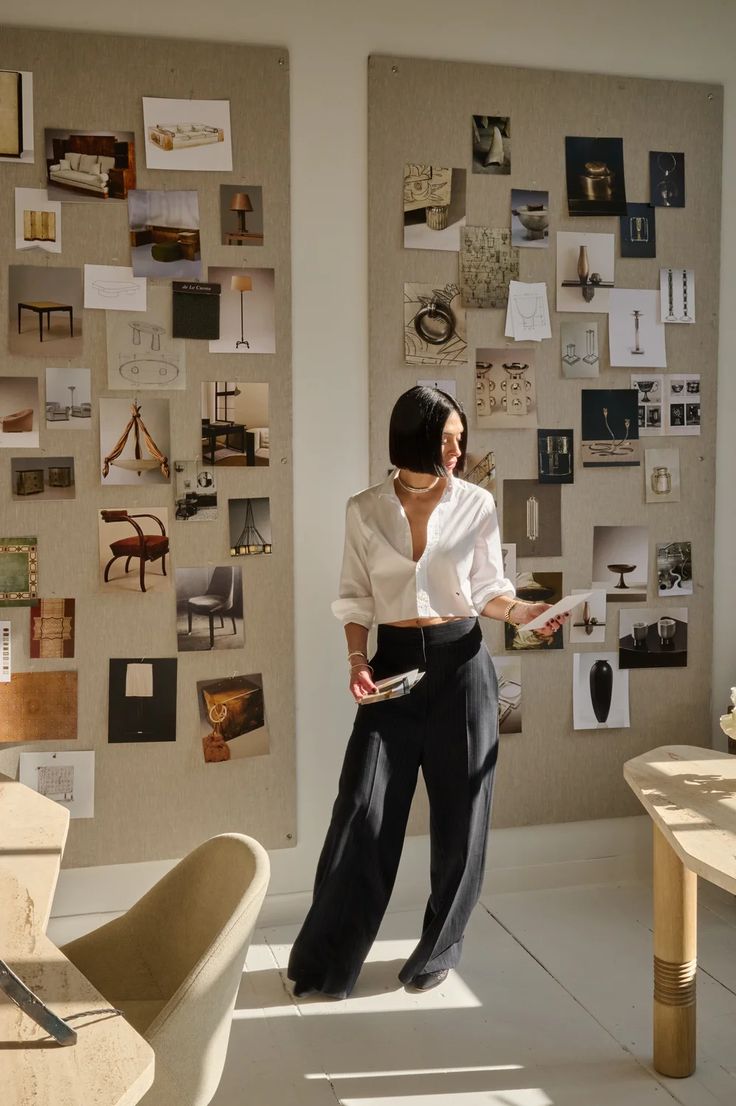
(141, 353)
(488, 262)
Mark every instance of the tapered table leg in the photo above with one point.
(675, 961)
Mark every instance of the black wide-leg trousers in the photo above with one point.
(448, 726)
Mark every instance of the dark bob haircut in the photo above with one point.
(415, 431)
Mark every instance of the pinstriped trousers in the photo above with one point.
(448, 727)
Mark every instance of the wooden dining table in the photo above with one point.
(110, 1064)
(690, 795)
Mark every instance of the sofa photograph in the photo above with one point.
(164, 234)
(89, 165)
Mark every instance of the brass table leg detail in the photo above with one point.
(675, 961)
(674, 984)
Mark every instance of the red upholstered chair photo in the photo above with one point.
(146, 547)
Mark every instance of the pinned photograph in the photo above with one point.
(142, 700)
(209, 608)
(610, 427)
(247, 303)
(556, 456)
(196, 491)
(488, 263)
(638, 231)
(37, 220)
(235, 424)
(16, 116)
(68, 398)
(434, 207)
(52, 629)
(635, 333)
(480, 469)
(141, 352)
(492, 144)
(600, 692)
(18, 572)
(449, 386)
(621, 562)
(67, 778)
(39, 706)
(667, 178)
(195, 310)
(529, 218)
(674, 569)
(164, 234)
(250, 526)
(42, 477)
(579, 349)
(45, 311)
(134, 546)
(505, 388)
(434, 325)
(508, 553)
(89, 165)
(677, 295)
(232, 718)
(650, 398)
(585, 271)
(508, 671)
(532, 518)
(20, 406)
(588, 623)
(535, 587)
(682, 399)
(595, 176)
(187, 134)
(662, 475)
(113, 288)
(653, 638)
(134, 451)
(241, 214)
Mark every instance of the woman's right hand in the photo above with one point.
(361, 681)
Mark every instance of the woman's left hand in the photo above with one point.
(529, 611)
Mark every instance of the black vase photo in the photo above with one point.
(601, 689)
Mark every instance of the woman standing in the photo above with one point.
(422, 560)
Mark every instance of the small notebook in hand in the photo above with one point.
(393, 687)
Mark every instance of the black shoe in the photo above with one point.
(428, 980)
(306, 990)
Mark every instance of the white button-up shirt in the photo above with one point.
(460, 570)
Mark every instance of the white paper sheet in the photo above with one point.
(568, 603)
(5, 666)
(113, 288)
(67, 778)
(527, 312)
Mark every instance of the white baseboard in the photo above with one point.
(522, 859)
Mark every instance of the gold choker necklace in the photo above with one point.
(417, 491)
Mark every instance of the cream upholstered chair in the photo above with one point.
(173, 962)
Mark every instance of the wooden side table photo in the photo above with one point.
(45, 307)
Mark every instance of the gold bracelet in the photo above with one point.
(357, 653)
(509, 609)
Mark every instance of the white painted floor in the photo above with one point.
(551, 1006)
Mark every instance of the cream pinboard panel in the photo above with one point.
(420, 112)
(158, 800)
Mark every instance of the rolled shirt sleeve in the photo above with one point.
(355, 603)
(487, 580)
